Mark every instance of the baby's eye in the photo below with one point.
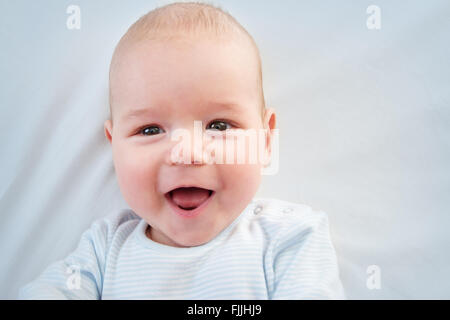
(151, 131)
(219, 125)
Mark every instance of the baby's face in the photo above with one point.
(174, 84)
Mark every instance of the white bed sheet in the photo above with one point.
(364, 120)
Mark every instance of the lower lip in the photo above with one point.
(189, 213)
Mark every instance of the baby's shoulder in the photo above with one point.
(118, 223)
(282, 210)
(278, 217)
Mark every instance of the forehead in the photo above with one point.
(234, 112)
(185, 73)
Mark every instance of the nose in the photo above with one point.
(187, 147)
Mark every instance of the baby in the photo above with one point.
(194, 230)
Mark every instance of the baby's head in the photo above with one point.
(178, 64)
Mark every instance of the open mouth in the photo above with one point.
(189, 198)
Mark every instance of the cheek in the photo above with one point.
(240, 182)
(136, 170)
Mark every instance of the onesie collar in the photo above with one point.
(142, 239)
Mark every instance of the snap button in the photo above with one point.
(287, 210)
(257, 210)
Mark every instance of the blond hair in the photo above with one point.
(181, 19)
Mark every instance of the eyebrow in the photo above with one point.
(138, 112)
(134, 113)
(230, 106)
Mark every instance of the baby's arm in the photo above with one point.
(78, 276)
(304, 260)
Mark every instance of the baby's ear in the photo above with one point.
(269, 123)
(108, 130)
(271, 152)
(270, 118)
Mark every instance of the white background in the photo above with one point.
(364, 121)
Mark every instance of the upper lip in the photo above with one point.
(188, 185)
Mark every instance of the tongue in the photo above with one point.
(189, 198)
